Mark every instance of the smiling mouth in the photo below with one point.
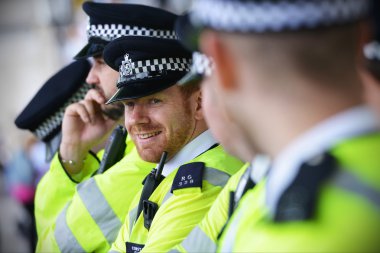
(148, 135)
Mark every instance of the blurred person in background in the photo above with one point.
(20, 176)
(291, 84)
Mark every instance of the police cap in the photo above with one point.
(44, 113)
(263, 16)
(146, 65)
(201, 66)
(108, 21)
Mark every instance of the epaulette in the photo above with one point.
(188, 176)
(299, 200)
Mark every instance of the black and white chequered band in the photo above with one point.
(265, 16)
(129, 68)
(372, 51)
(55, 120)
(110, 32)
(202, 64)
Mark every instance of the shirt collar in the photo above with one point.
(197, 146)
(347, 124)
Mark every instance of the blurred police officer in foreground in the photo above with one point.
(286, 73)
(75, 210)
(163, 117)
(203, 237)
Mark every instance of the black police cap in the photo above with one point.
(201, 66)
(263, 16)
(146, 65)
(108, 21)
(43, 114)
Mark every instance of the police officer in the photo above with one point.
(43, 116)
(203, 237)
(161, 116)
(286, 73)
(76, 211)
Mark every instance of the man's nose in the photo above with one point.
(92, 77)
(138, 115)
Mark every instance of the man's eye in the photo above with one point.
(155, 101)
(129, 104)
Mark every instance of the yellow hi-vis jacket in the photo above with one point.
(86, 216)
(180, 208)
(203, 237)
(346, 211)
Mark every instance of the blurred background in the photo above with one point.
(37, 38)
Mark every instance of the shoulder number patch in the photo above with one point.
(133, 247)
(188, 175)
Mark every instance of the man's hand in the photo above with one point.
(84, 126)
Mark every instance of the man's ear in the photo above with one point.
(212, 45)
(198, 109)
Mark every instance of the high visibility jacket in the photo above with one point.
(203, 237)
(180, 208)
(86, 216)
(346, 209)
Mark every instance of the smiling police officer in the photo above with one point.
(161, 116)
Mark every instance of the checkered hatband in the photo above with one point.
(372, 51)
(55, 120)
(202, 64)
(110, 32)
(142, 69)
(266, 16)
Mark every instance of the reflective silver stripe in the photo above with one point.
(227, 244)
(352, 183)
(198, 241)
(65, 239)
(242, 184)
(99, 209)
(215, 177)
(112, 251)
(167, 196)
(132, 217)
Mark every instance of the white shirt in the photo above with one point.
(350, 123)
(191, 150)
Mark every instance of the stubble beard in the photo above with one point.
(114, 111)
(177, 141)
